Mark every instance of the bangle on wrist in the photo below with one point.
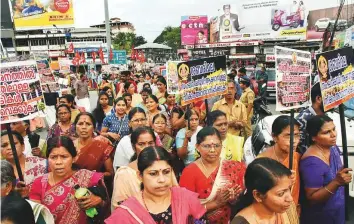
(328, 190)
(205, 207)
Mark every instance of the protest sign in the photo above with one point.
(64, 65)
(293, 78)
(172, 77)
(48, 80)
(202, 79)
(336, 73)
(21, 96)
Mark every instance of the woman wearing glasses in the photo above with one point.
(125, 151)
(63, 127)
(218, 182)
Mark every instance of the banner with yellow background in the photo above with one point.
(34, 14)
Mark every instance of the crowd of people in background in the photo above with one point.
(145, 158)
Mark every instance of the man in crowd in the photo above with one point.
(262, 78)
(82, 93)
(315, 109)
(247, 99)
(235, 111)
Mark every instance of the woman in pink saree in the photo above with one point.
(158, 202)
(56, 191)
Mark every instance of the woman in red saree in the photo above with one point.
(218, 182)
(56, 191)
(92, 153)
(158, 202)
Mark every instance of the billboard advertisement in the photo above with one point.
(260, 19)
(319, 20)
(34, 14)
(194, 30)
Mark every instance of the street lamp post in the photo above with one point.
(60, 45)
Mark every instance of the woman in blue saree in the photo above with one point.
(323, 175)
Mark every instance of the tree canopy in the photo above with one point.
(170, 36)
(125, 41)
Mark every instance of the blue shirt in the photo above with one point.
(116, 125)
(191, 144)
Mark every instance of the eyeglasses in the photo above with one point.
(210, 146)
(142, 120)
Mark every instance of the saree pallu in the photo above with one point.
(184, 204)
(60, 199)
(34, 168)
(93, 155)
(316, 174)
(227, 175)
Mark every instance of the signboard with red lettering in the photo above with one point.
(21, 95)
(293, 78)
(270, 58)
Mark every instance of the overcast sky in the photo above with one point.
(151, 16)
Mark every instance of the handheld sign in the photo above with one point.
(202, 79)
(293, 83)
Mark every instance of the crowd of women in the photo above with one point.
(146, 159)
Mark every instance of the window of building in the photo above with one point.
(21, 43)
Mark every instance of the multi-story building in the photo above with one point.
(7, 32)
(117, 26)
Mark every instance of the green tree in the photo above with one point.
(139, 40)
(125, 41)
(170, 36)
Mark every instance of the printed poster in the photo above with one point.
(172, 77)
(336, 73)
(64, 65)
(21, 96)
(202, 79)
(48, 80)
(293, 78)
(194, 30)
